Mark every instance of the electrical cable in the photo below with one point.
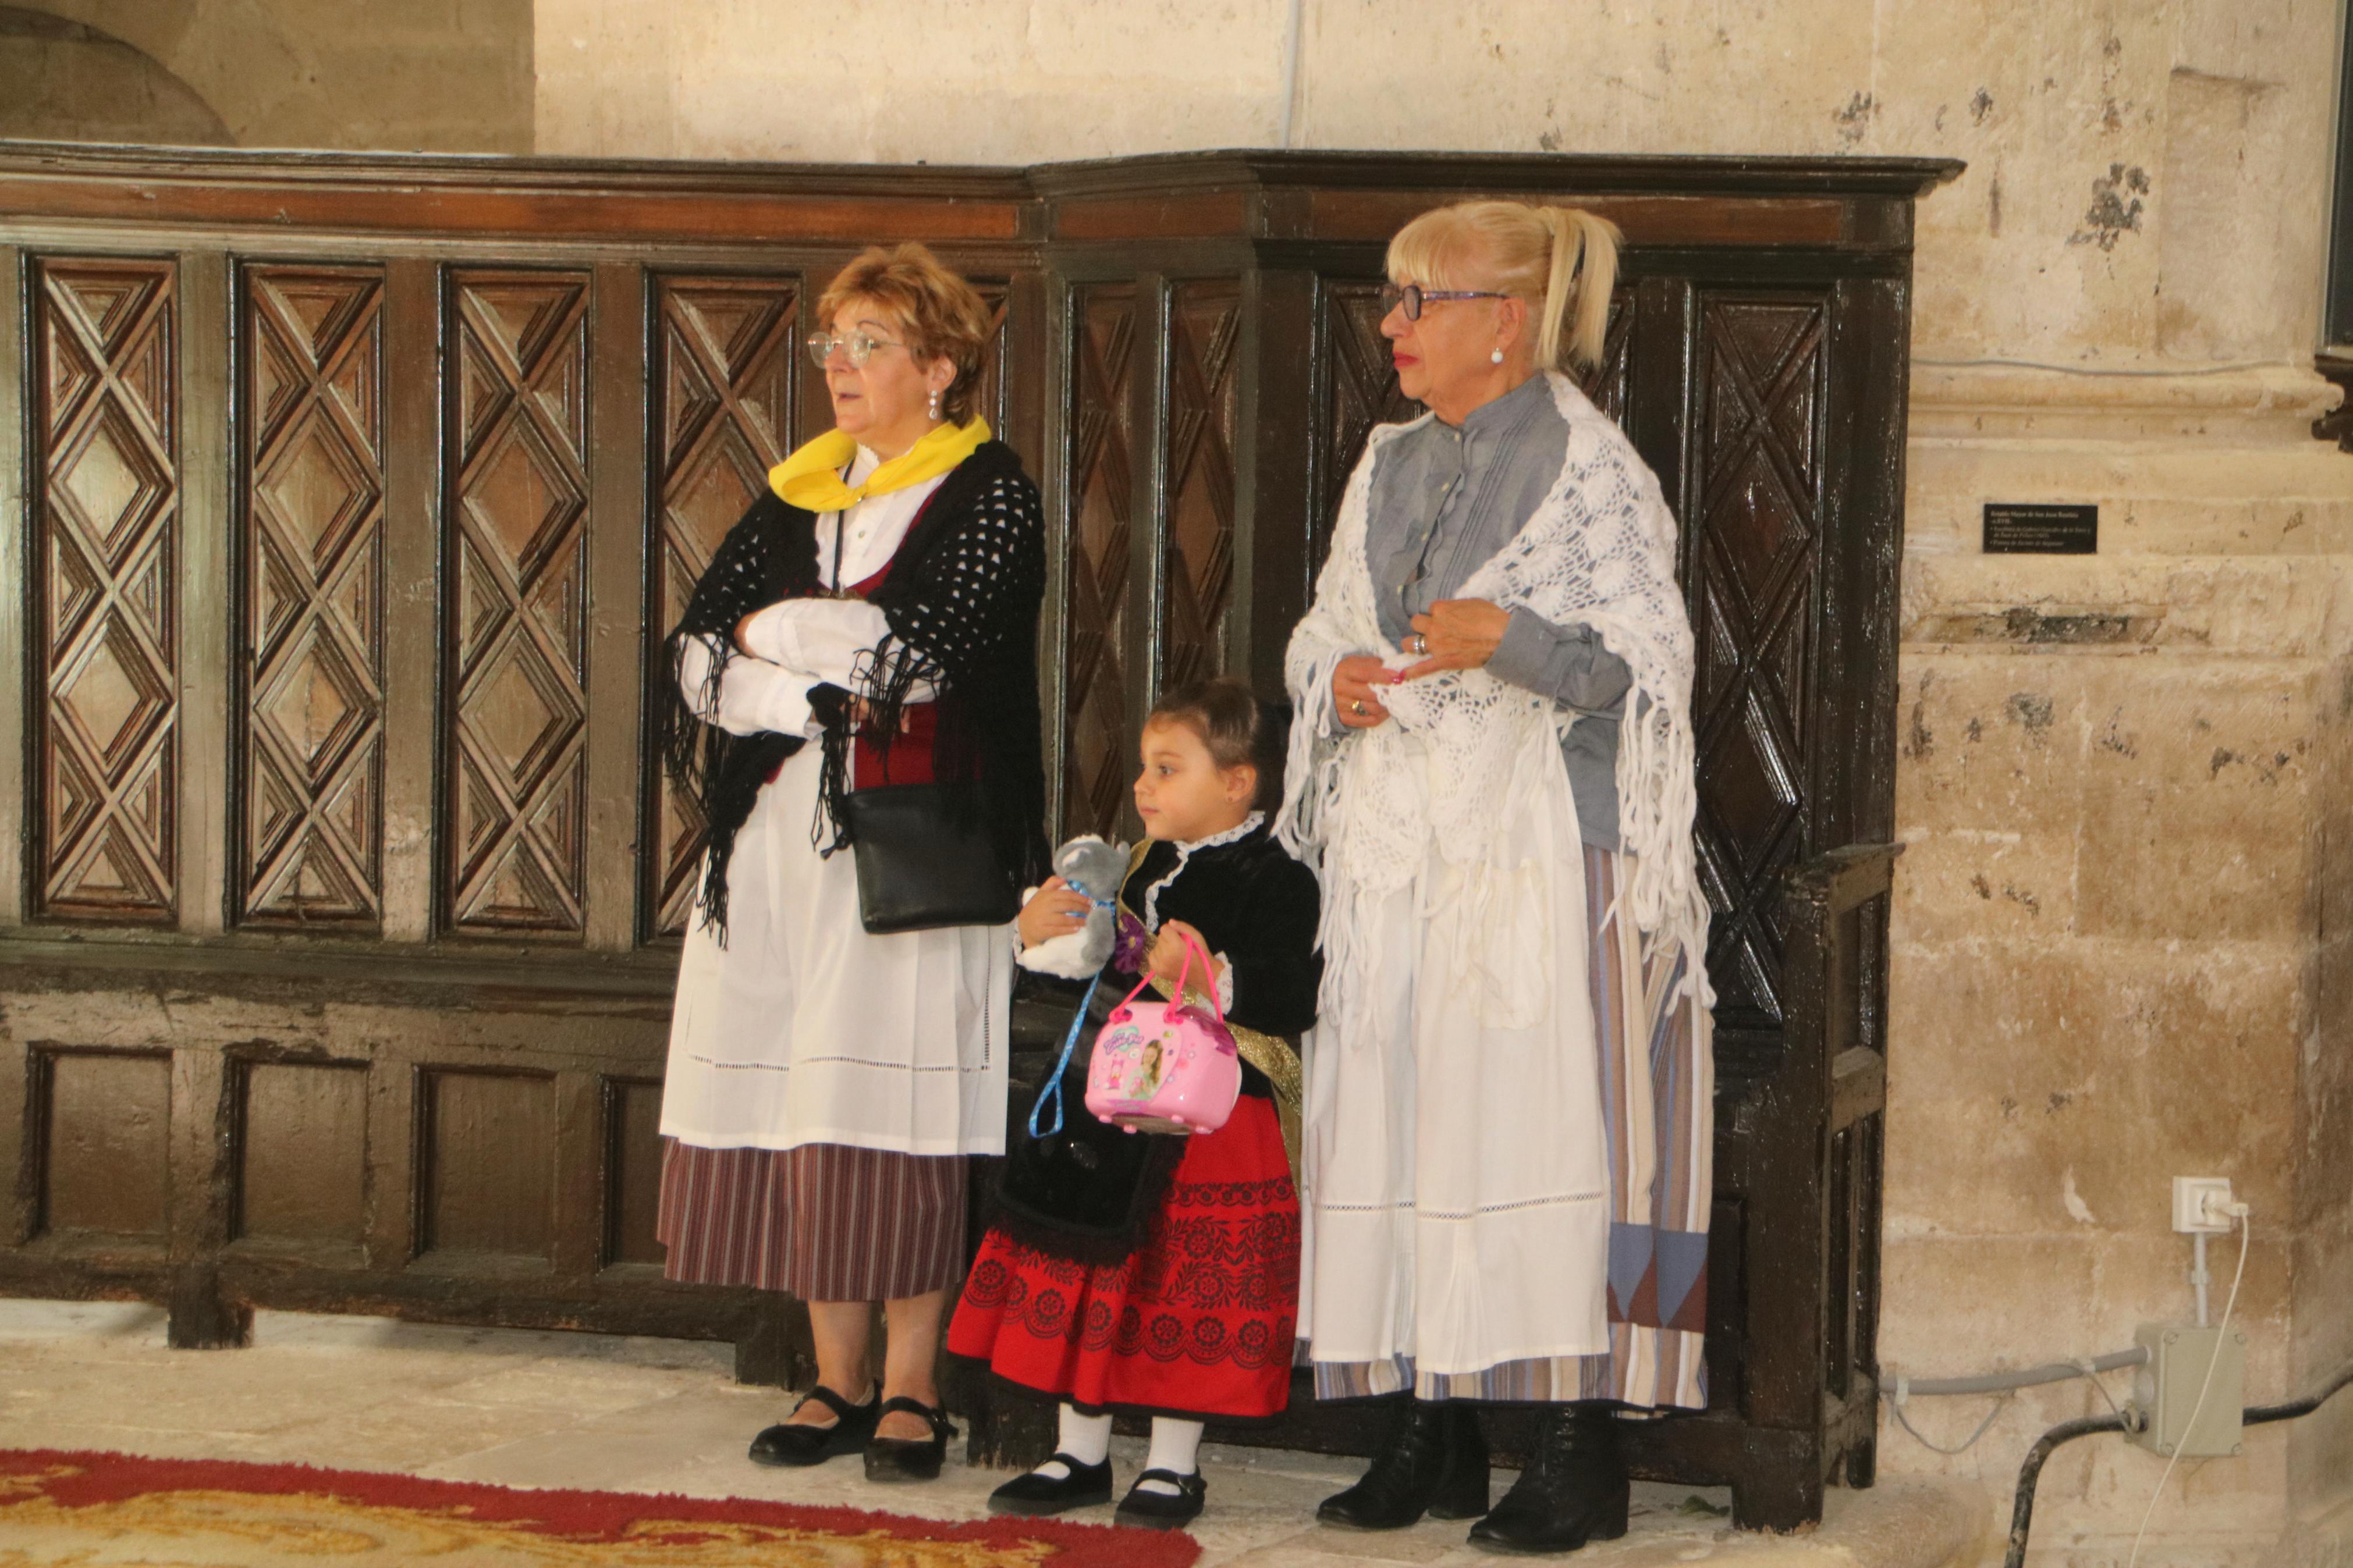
(2030, 1470)
(2197, 1407)
(2025, 1377)
(2100, 370)
(1967, 1443)
(2021, 1518)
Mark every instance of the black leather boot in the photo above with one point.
(1574, 1490)
(1436, 1464)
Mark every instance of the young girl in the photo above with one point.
(1153, 1273)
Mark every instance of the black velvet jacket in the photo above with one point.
(1089, 1191)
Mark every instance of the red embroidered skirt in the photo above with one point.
(1196, 1323)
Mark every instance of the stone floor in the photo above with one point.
(663, 1416)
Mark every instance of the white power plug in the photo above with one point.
(2202, 1205)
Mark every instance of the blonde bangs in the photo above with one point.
(1443, 248)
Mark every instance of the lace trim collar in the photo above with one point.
(1185, 849)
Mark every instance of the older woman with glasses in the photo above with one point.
(871, 621)
(1507, 1157)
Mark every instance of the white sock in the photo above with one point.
(1086, 1438)
(1176, 1445)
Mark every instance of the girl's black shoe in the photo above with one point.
(1086, 1486)
(786, 1444)
(1436, 1464)
(1160, 1510)
(1574, 1490)
(909, 1459)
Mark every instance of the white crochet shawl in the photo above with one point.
(1466, 754)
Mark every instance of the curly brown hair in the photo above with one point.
(940, 315)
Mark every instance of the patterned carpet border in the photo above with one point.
(71, 1483)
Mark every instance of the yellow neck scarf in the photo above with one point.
(811, 478)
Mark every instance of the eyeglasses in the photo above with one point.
(1412, 295)
(857, 347)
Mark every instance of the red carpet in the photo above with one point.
(65, 1508)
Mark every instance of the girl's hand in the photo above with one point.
(1166, 959)
(1457, 634)
(1353, 681)
(1052, 910)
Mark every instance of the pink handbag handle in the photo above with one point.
(1208, 973)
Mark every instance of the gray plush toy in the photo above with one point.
(1094, 867)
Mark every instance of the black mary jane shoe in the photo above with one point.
(1141, 1510)
(1575, 1488)
(909, 1459)
(1436, 1464)
(789, 1444)
(1085, 1485)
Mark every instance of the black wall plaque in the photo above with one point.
(2043, 529)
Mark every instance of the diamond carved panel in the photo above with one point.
(1360, 392)
(310, 748)
(106, 526)
(1097, 528)
(724, 377)
(1755, 555)
(1198, 581)
(517, 651)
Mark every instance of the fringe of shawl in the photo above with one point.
(1657, 750)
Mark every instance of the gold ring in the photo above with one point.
(1358, 707)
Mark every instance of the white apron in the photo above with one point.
(806, 1029)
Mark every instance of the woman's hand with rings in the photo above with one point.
(1457, 634)
(1353, 682)
(1055, 909)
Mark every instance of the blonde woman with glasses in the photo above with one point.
(1506, 1160)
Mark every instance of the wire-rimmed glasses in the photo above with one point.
(857, 347)
(1412, 295)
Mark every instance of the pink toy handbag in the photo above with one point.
(1166, 1066)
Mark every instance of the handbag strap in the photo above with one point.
(1053, 1089)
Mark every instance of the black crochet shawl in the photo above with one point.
(962, 600)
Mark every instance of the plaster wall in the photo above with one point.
(442, 75)
(2122, 948)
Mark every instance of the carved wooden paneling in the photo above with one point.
(995, 401)
(725, 361)
(1197, 577)
(106, 642)
(311, 742)
(105, 1121)
(486, 1165)
(1360, 392)
(632, 1170)
(1608, 383)
(301, 1154)
(1755, 527)
(517, 618)
(1099, 506)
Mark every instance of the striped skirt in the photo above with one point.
(823, 1222)
(1655, 1053)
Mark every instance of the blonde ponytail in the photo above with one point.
(1582, 276)
(1562, 260)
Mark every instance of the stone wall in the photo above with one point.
(439, 76)
(2121, 946)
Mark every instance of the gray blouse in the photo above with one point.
(1445, 500)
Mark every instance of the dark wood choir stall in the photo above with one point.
(343, 499)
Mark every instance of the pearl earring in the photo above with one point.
(935, 402)
(1494, 356)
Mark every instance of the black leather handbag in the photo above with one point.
(926, 859)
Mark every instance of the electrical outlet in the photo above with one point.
(2200, 1206)
(2165, 1389)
